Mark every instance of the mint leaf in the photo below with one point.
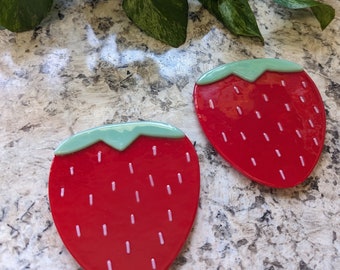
(236, 15)
(23, 15)
(324, 13)
(165, 20)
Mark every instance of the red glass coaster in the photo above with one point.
(125, 196)
(265, 117)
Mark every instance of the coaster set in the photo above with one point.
(125, 196)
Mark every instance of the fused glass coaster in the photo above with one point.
(125, 196)
(265, 117)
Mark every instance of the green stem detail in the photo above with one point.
(248, 70)
(118, 136)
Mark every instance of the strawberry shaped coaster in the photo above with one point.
(265, 117)
(125, 196)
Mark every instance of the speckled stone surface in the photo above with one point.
(88, 65)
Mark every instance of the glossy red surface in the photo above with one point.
(271, 130)
(126, 210)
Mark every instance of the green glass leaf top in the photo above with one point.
(236, 15)
(165, 20)
(324, 13)
(118, 136)
(248, 70)
(23, 15)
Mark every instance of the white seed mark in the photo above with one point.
(91, 199)
(137, 196)
(302, 161)
(131, 168)
(315, 140)
(211, 104)
(78, 230)
(109, 265)
(113, 185)
(253, 161)
(239, 110)
(311, 123)
(99, 156)
(62, 192)
(179, 177)
(298, 133)
(152, 183)
(302, 99)
(168, 189)
(278, 153)
(258, 114)
(161, 239)
(132, 219)
(153, 264)
(243, 136)
(283, 83)
(154, 150)
(225, 139)
(104, 230)
(280, 126)
(282, 175)
(170, 215)
(266, 137)
(127, 247)
(71, 170)
(287, 107)
(187, 156)
(265, 97)
(237, 91)
(304, 84)
(316, 109)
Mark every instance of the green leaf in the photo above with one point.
(324, 13)
(236, 15)
(23, 15)
(165, 20)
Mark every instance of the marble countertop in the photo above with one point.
(88, 65)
